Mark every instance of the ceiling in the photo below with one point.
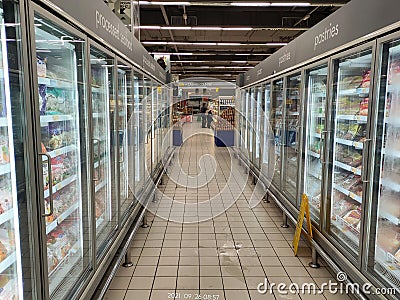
(222, 38)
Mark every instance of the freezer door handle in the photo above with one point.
(50, 184)
(364, 172)
(98, 160)
(322, 149)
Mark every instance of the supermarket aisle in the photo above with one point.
(225, 257)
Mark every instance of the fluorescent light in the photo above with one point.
(257, 4)
(207, 28)
(239, 61)
(171, 53)
(238, 28)
(203, 44)
(276, 44)
(163, 3)
(176, 27)
(229, 44)
(150, 27)
(291, 4)
(211, 43)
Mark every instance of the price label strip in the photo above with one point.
(304, 209)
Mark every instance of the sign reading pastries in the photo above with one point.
(304, 209)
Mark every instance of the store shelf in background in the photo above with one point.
(394, 186)
(386, 215)
(388, 261)
(53, 225)
(356, 145)
(314, 154)
(97, 89)
(99, 221)
(100, 186)
(58, 274)
(341, 165)
(60, 185)
(7, 262)
(46, 119)
(5, 169)
(60, 151)
(359, 119)
(319, 94)
(316, 134)
(347, 193)
(355, 92)
(96, 164)
(346, 228)
(4, 217)
(319, 177)
(58, 83)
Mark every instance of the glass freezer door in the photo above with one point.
(266, 135)
(10, 200)
(385, 237)
(139, 132)
(64, 144)
(102, 81)
(276, 120)
(124, 87)
(351, 107)
(315, 127)
(291, 135)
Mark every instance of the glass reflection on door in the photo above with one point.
(14, 205)
(102, 72)
(291, 137)
(351, 102)
(277, 127)
(315, 127)
(139, 132)
(258, 122)
(385, 243)
(266, 136)
(124, 83)
(64, 144)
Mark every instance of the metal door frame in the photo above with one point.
(36, 141)
(286, 77)
(303, 149)
(329, 156)
(373, 204)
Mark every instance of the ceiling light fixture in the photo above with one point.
(176, 27)
(290, 4)
(164, 3)
(216, 28)
(172, 53)
(207, 28)
(211, 43)
(208, 53)
(248, 4)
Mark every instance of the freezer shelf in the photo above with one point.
(53, 225)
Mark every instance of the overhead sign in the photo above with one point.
(304, 209)
(358, 19)
(98, 18)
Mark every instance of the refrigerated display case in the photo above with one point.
(102, 88)
(291, 135)
(351, 94)
(316, 81)
(384, 258)
(250, 123)
(266, 131)
(12, 173)
(124, 87)
(139, 132)
(148, 124)
(258, 122)
(276, 120)
(64, 143)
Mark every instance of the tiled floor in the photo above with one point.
(223, 249)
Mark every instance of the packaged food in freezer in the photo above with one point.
(353, 217)
(388, 236)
